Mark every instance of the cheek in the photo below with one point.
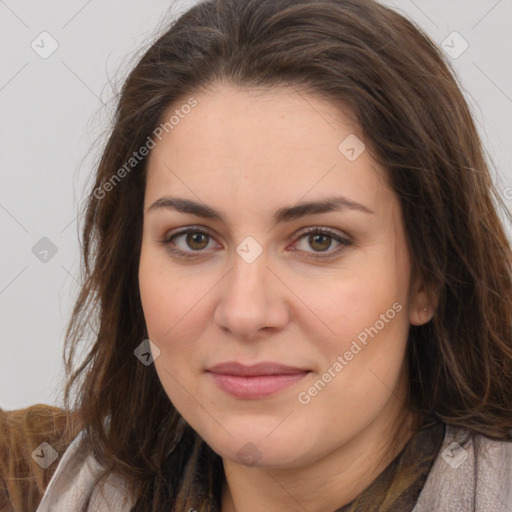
(361, 296)
(163, 303)
(364, 352)
(155, 297)
(365, 309)
(168, 305)
(176, 309)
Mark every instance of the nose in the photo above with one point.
(252, 299)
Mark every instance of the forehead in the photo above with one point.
(274, 145)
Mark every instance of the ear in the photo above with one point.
(423, 302)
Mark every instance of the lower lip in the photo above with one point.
(255, 387)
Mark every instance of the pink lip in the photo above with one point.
(256, 381)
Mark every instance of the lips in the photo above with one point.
(265, 368)
(255, 381)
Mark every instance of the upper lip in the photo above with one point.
(264, 368)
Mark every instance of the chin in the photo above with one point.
(255, 447)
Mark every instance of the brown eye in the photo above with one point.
(320, 241)
(196, 240)
(188, 243)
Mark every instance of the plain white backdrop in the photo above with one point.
(60, 64)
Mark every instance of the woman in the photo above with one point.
(301, 282)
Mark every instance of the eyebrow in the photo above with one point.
(285, 214)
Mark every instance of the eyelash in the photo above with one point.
(344, 242)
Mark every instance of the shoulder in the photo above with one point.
(74, 479)
(469, 473)
(27, 438)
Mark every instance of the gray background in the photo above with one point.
(55, 116)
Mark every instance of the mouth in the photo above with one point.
(256, 381)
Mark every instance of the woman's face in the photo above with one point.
(320, 295)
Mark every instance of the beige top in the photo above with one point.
(73, 479)
(461, 479)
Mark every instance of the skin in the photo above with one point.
(246, 153)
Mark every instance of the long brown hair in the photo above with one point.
(411, 111)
